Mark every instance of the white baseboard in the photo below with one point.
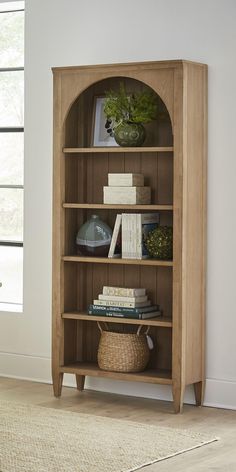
(219, 393)
(25, 367)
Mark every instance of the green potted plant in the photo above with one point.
(126, 113)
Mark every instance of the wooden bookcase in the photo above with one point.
(173, 161)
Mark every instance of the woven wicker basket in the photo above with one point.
(123, 352)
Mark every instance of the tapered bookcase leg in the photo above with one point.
(80, 379)
(57, 383)
(199, 389)
(178, 397)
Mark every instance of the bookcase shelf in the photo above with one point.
(105, 260)
(159, 376)
(117, 150)
(102, 206)
(173, 162)
(158, 321)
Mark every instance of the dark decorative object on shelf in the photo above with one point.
(94, 238)
(159, 243)
(130, 134)
(126, 113)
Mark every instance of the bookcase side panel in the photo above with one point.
(178, 337)
(194, 219)
(58, 238)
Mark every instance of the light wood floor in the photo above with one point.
(218, 456)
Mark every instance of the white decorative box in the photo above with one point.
(127, 195)
(125, 180)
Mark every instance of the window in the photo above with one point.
(11, 153)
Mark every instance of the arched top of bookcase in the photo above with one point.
(80, 118)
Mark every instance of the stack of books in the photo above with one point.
(126, 189)
(129, 234)
(124, 303)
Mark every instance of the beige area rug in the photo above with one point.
(36, 439)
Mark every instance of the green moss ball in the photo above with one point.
(159, 243)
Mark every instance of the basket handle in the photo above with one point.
(139, 330)
(100, 327)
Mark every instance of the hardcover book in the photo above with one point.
(124, 292)
(115, 298)
(128, 236)
(122, 304)
(119, 309)
(135, 228)
(145, 222)
(134, 316)
(115, 246)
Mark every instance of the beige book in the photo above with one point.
(122, 304)
(123, 291)
(116, 298)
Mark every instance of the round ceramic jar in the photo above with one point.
(94, 238)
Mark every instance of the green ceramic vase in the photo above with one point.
(130, 134)
(94, 238)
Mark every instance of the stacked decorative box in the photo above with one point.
(126, 189)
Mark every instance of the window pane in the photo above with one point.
(11, 98)
(11, 214)
(11, 274)
(12, 39)
(9, 6)
(11, 158)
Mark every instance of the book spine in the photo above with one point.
(138, 236)
(122, 304)
(134, 316)
(115, 234)
(115, 298)
(124, 292)
(148, 218)
(128, 236)
(118, 309)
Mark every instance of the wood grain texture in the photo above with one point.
(194, 221)
(117, 150)
(102, 206)
(105, 260)
(158, 321)
(92, 369)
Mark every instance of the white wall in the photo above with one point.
(60, 33)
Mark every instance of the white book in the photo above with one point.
(124, 292)
(125, 180)
(128, 236)
(114, 298)
(115, 236)
(122, 304)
